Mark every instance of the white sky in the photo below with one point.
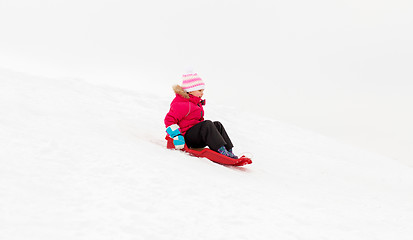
(342, 68)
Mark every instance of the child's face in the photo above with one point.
(197, 93)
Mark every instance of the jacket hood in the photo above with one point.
(182, 93)
(178, 90)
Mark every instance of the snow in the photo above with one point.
(341, 68)
(85, 161)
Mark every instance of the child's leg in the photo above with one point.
(224, 135)
(204, 134)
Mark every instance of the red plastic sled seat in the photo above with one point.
(210, 154)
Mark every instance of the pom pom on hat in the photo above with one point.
(191, 81)
(189, 69)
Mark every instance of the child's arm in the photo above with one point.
(177, 112)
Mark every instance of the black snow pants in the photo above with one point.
(208, 133)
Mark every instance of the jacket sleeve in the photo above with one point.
(177, 112)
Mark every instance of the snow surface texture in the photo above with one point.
(79, 161)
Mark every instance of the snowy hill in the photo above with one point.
(80, 161)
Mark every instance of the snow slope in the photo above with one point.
(81, 161)
(341, 68)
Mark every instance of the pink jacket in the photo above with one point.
(186, 110)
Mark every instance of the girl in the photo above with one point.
(185, 120)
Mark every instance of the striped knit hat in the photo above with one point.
(192, 82)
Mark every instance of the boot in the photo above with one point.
(227, 153)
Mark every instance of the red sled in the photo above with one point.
(210, 154)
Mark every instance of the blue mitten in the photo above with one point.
(175, 133)
(179, 142)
